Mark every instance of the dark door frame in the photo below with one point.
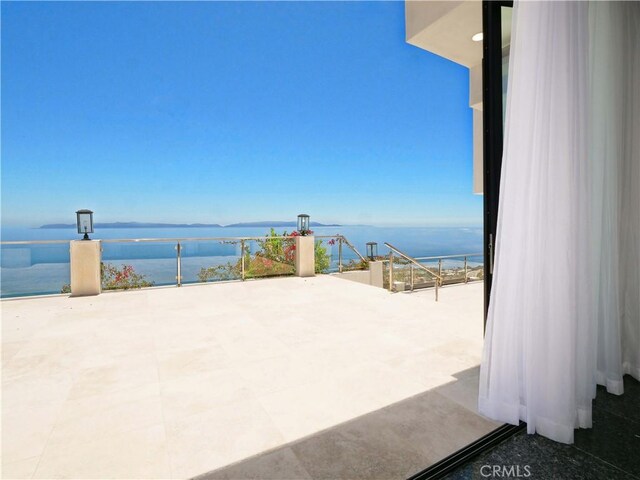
(492, 131)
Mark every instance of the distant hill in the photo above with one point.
(279, 224)
(184, 225)
(135, 225)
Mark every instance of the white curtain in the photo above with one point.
(565, 307)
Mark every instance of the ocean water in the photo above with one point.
(43, 269)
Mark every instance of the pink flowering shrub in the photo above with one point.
(114, 278)
(124, 278)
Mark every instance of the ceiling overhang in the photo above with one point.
(445, 28)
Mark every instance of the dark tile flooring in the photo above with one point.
(608, 451)
(401, 440)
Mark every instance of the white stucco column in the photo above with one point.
(85, 267)
(305, 262)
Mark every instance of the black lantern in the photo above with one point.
(303, 224)
(372, 250)
(85, 222)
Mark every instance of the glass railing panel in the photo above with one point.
(327, 256)
(334, 254)
(475, 268)
(452, 270)
(402, 272)
(132, 265)
(34, 269)
(269, 257)
(407, 275)
(424, 279)
(210, 260)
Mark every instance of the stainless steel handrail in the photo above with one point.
(192, 239)
(411, 260)
(350, 245)
(138, 240)
(34, 242)
(450, 256)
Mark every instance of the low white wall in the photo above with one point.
(360, 276)
(373, 276)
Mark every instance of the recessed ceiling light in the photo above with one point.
(477, 37)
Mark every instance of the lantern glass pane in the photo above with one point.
(85, 225)
(303, 223)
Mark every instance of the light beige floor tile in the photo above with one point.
(36, 366)
(113, 378)
(18, 324)
(175, 337)
(87, 418)
(278, 373)
(464, 391)
(20, 469)
(183, 363)
(137, 454)
(9, 349)
(301, 411)
(35, 390)
(249, 350)
(191, 394)
(209, 440)
(26, 430)
(429, 367)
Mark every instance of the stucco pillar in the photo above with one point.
(85, 267)
(376, 274)
(305, 256)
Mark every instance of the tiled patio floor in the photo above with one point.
(176, 382)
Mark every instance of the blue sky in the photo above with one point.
(223, 112)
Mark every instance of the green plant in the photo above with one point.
(322, 257)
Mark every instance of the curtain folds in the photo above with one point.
(565, 307)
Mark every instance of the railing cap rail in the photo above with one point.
(142, 240)
(458, 255)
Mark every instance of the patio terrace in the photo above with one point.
(176, 382)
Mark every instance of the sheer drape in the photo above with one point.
(564, 313)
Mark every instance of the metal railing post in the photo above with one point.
(340, 254)
(391, 271)
(466, 276)
(411, 273)
(242, 267)
(439, 280)
(178, 265)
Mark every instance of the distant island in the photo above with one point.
(280, 224)
(186, 225)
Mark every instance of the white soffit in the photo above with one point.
(445, 28)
